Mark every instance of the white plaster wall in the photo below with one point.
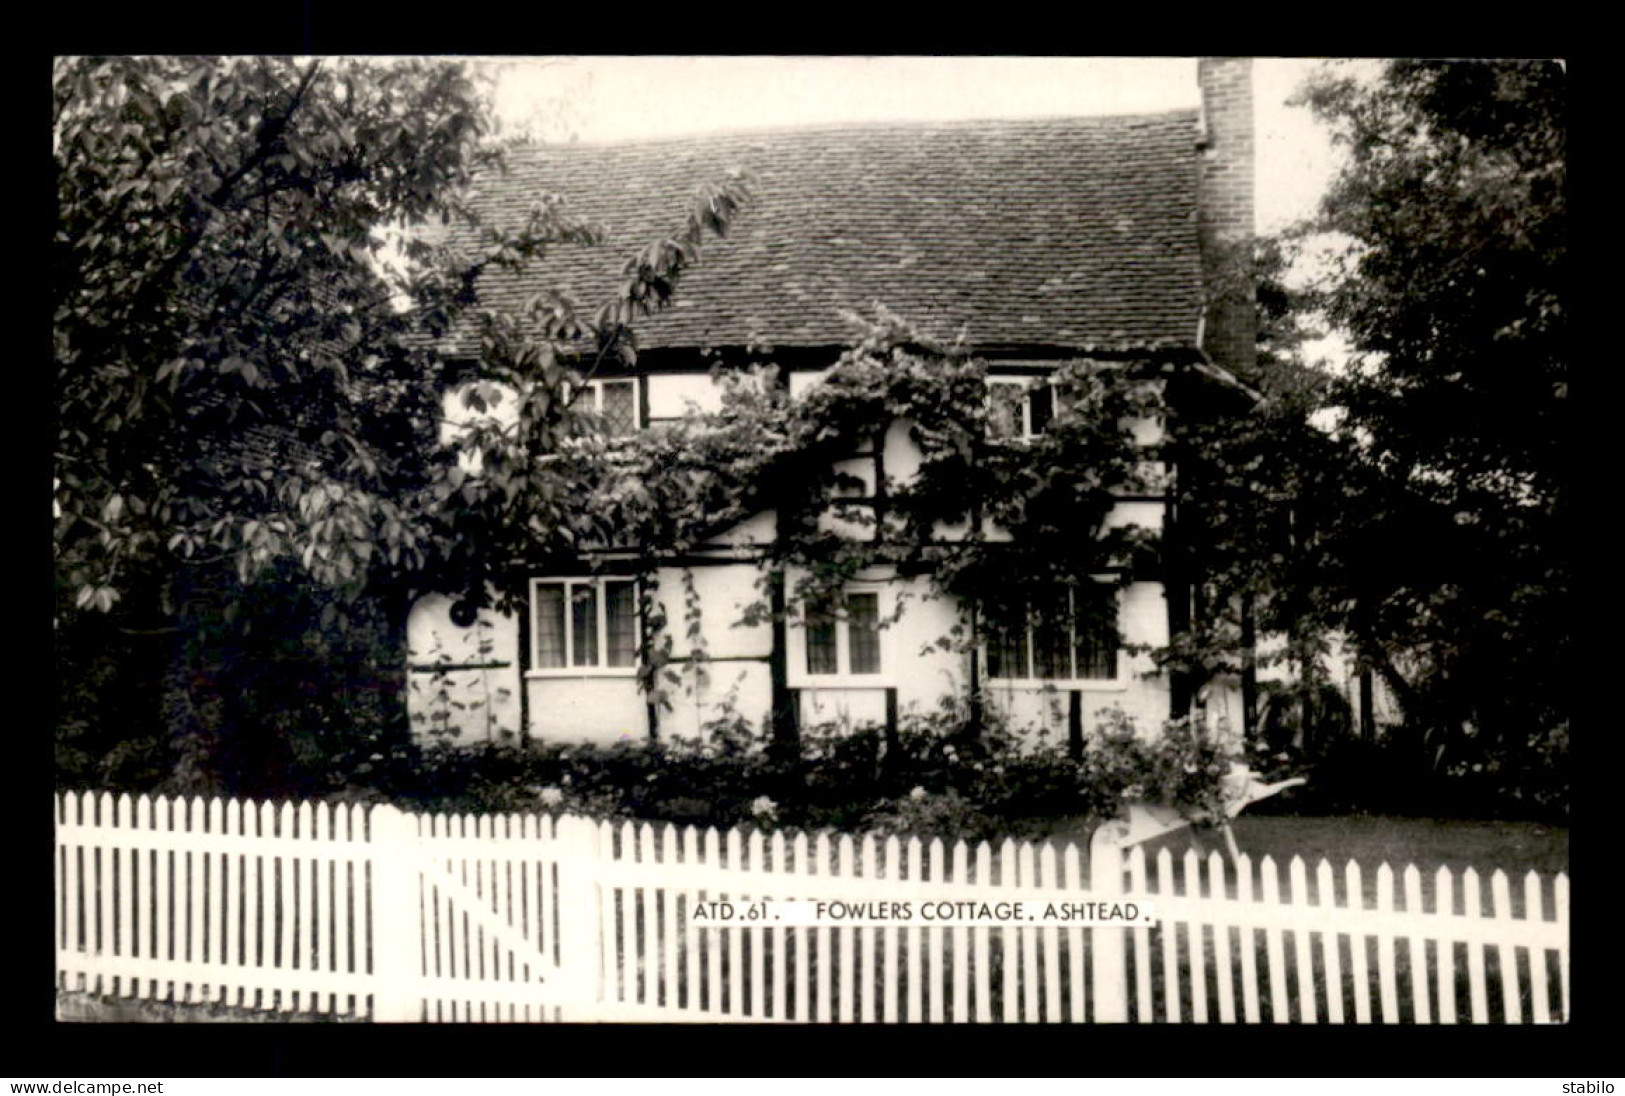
(1147, 515)
(903, 455)
(1028, 710)
(924, 673)
(1153, 477)
(602, 710)
(672, 395)
(850, 708)
(724, 595)
(1143, 618)
(479, 705)
(483, 703)
(756, 530)
(708, 691)
(1148, 430)
(861, 469)
(801, 381)
(852, 521)
(431, 635)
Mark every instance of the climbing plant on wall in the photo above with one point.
(994, 522)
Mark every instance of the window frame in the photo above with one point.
(801, 676)
(1027, 387)
(1118, 681)
(599, 583)
(594, 391)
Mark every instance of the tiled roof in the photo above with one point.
(1075, 233)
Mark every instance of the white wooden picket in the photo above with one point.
(378, 914)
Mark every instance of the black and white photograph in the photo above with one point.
(811, 539)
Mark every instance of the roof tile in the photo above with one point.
(1076, 232)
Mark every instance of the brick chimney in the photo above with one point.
(1225, 211)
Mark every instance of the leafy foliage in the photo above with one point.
(247, 410)
(1453, 295)
(1417, 504)
(229, 375)
(1032, 511)
(932, 778)
(1454, 199)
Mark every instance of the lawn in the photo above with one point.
(1372, 840)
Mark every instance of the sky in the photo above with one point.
(620, 98)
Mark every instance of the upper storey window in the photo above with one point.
(613, 405)
(1018, 408)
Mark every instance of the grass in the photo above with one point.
(1368, 840)
(1372, 840)
(1429, 843)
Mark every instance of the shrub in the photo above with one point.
(945, 814)
(1404, 772)
(931, 777)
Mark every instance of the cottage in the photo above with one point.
(1037, 243)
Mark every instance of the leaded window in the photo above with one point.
(1062, 638)
(583, 624)
(844, 640)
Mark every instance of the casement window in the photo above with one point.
(844, 641)
(583, 626)
(1018, 408)
(1055, 640)
(613, 404)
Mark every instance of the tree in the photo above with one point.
(246, 405)
(1430, 524)
(1453, 290)
(1263, 475)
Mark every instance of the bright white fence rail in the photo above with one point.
(375, 913)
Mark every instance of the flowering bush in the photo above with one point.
(946, 814)
(1183, 767)
(931, 777)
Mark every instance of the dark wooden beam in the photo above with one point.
(785, 732)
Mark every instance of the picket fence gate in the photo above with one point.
(374, 913)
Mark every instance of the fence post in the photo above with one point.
(397, 911)
(578, 897)
(1108, 942)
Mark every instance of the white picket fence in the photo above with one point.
(383, 915)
